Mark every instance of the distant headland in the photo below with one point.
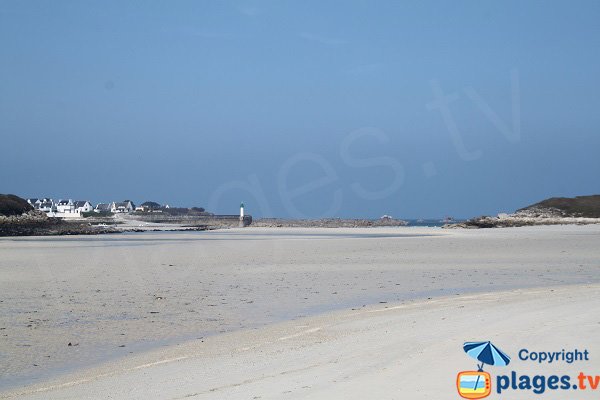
(43, 217)
(579, 210)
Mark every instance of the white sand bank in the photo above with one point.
(410, 350)
(118, 296)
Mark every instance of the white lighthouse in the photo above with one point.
(242, 215)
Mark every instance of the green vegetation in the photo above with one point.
(184, 211)
(580, 206)
(151, 205)
(94, 214)
(13, 205)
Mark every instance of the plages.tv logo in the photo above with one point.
(478, 384)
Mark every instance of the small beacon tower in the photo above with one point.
(242, 215)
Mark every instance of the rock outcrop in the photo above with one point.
(13, 205)
(581, 210)
(327, 223)
(580, 206)
(36, 223)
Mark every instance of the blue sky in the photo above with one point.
(302, 109)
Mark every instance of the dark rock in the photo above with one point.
(13, 205)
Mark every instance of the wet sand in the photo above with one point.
(410, 349)
(117, 297)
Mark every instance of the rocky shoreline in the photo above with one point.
(526, 217)
(36, 223)
(326, 223)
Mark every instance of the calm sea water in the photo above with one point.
(427, 222)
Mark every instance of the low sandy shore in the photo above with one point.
(385, 352)
(119, 298)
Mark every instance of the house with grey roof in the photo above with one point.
(33, 202)
(65, 206)
(46, 205)
(103, 207)
(83, 206)
(125, 206)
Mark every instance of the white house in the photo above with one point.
(122, 207)
(36, 203)
(65, 206)
(33, 202)
(82, 206)
(149, 206)
(102, 207)
(46, 205)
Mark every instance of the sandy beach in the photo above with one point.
(285, 200)
(288, 313)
